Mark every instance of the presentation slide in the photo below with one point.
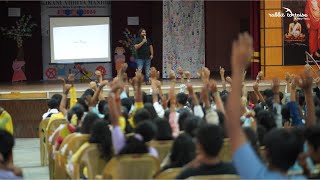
(80, 39)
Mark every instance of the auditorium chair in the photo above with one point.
(131, 166)
(163, 148)
(71, 143)
(89, 157)
(212, 177)
(171, 173)
(49, 131)
(50, 155)
(225, 153)
(42, 138)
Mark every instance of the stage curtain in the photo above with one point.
(183, 36)
(255, 33)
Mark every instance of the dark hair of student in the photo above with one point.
(282, 148)
(210, 137)
(183, 151)
(88, 122)
(101, 135)
(164, 130)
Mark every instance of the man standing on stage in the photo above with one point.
(144, 49)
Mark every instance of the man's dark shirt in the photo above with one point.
(144, 51)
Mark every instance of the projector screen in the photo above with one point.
(80, 39)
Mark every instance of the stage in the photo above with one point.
(45, 89)
(27, 101)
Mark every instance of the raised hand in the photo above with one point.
(180, 72)
(222, 72)
(190, 88)
(62, 79)
(204, 96)
(242, 51)
(255, 87)
(71, 78)
(188, 75)
(293, 83)
(93, 85)
(213, 86)
(304, 81)
(275, 85)
(66, 88)
(153, 73)
(205, 74)
(228, 79)
(98, 73)
(287, 77)
(172, 75)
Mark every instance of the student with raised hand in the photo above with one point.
(211, 115)
(197, 109)
(282, 146)
(305, 83)
(145, 131)
(293, 106)
(173, 116)
(138, 104)
(156, 91)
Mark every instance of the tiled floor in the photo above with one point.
(26, 154)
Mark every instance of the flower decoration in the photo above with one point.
(128, 42)
(21, 31)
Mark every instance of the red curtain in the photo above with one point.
(255, 33)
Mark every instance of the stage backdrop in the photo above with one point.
(183, 36)
(296, 16)
(70, 8)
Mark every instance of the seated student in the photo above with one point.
(136, 144)
(191, 125)
(164, 130)
(74, 117)
(282, 146)
(182, 152)
(209, 143)
(182, 100)
(53, 105)
(7, 170)
(100, 134)
(312, 136)
(149, 107)
(6, 121)
(87, 123)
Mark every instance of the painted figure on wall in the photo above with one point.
(119, 57)
(18, 74)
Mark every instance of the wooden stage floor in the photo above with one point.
(45, 89)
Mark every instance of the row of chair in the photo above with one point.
(94, 164)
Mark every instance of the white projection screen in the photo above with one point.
(80, 39)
